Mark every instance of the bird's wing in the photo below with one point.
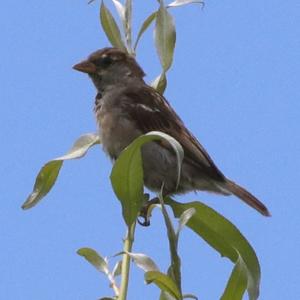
(152, 112)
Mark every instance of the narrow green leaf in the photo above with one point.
(160, 83)
(144, 27)
(48, 174)
(94, 259)
(45, 180)
(237, 283)
(184, 218)
(128, 24)
(120, 9)
(184, 2)
(223, 236)
(189, 296)
(127, 174)
(165, 37)
(111, 28)
(164, 282)
(121, 12)
(117, 269)
(81, 146)
(165, 296)
(143, 261)
(170, 273)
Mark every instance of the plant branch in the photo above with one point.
(173, 243)
(128, 242)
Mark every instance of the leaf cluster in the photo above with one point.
(127, 182)
(164, 32)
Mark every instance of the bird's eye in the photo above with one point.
(106, 61)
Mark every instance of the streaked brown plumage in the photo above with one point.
(127, 107)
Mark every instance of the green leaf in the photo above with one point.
(165, 296)
(165, 37)
(120, 9)
(111, 28)
(117, 269)
(144, 27)
(184, 2)
(127, 181)
(81, 146)
(189, 296)
(43, 183)
(127, 173)
(143, 261)
(48, 174)
(237, 283)
(160, 83)
(184, 218)
(128, 24)
(164, 282)
(223, 236)
(94, 259)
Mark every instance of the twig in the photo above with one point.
(128, 242)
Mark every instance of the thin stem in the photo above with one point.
(128, 242)
(173, 244)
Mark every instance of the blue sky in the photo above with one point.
(235, 82)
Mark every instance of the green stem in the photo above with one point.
(173, 245)
(128, 242)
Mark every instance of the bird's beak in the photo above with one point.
(85, 67)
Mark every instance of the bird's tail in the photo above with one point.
(247, 197)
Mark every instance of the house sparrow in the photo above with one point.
(126, 107)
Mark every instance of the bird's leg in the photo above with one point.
(145, 212)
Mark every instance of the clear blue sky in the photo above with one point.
(235, 82)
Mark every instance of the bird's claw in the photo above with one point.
(145, 212)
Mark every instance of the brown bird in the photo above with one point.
(126, 107)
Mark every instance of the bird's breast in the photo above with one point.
(116, 130)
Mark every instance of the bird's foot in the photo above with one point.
(145, 212)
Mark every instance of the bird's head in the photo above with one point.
(110, 66)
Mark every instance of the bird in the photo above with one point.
(126, 107)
